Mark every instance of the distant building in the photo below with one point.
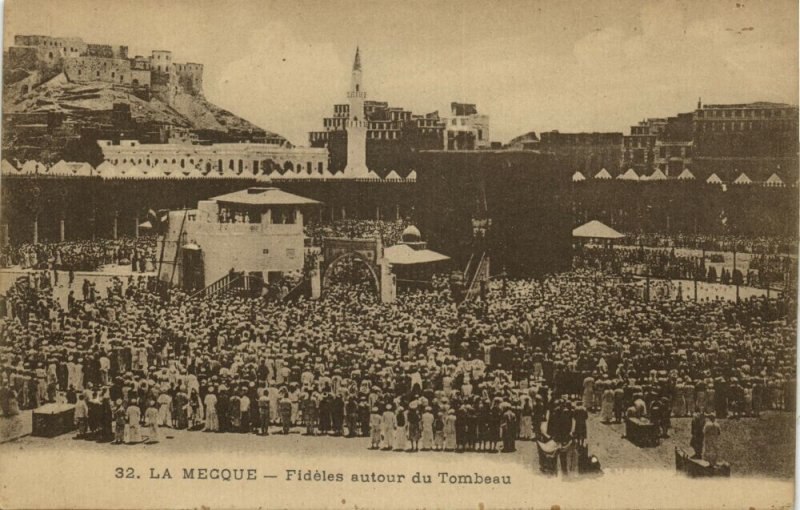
(673, 149)
(466, 128)
(756, 138)
(221, 159)
(638, 150)
(392, 134)
(83, 62)
(583, 151)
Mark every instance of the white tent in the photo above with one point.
(686, 175)
(392, 176)
(774, 180)
(603, 175)
(110, 172)
(372, 175)
(196, 173)
(596, 230)
(714, 179)
(412, 176)
(32, 167)
(7, 168)
(134, 172)
(578, 177)
(60, 168)
(657, 175)
(104, 167)
(743, 179)
(80, 169)
(629, 175)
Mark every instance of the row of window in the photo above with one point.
(746, 125)
(264, 166)
(747, 113)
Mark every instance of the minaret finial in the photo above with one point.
(357, 61)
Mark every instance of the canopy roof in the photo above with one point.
(402, 254)
(630, 175)
(743, 179)
(263, 196)
(657, 175)
(603, 174)
(596, 230)
(714, 179)
(774, 180)
(577, 177)
(392, 176)
(412, 176)
(686, 175)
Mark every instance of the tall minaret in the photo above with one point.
(356, 125)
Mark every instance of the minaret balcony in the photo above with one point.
(353, 95)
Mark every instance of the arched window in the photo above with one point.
(135, 82)
(308, 167)
(319, 167)
(241, 166)
(173, 161)
(140, 161)
(125, 160)
(219, 165)
(208, 167)
(155, 162)
(50, 55)
(255, 167)
(230, 164)
(288, 166)
(183, 163)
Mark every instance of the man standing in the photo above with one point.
(698, 423)
(711, 433)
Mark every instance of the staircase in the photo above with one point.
(230, 285)
(474, 275)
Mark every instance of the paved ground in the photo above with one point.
(754, 447)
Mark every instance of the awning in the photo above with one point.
(145, 224)
(402, 254)
(190, 246)
(596, 230)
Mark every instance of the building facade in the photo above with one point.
(223, 159)
(583, 151)
(638, 150)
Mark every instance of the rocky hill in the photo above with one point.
(60, 119)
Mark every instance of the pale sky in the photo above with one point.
(571, 65)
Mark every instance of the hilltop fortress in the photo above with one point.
(83, 62)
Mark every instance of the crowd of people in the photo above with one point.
(390, 231)
(83, 255)
(530, 360)
(720, 242)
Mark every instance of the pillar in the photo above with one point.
(333, 213)
(61, 229)
(36, 228)
(344, 213)
(5, 234)
(378, 212)
(298, 216)
(116, 217)
(388, 288)
(316, 280)
(397, 212)
(136, 225)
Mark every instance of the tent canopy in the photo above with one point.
(774, 180)
(743, 179)
(577, 177)
(630, 175)
(714, 179)
(402, 254)
(657, 175)
(685, 175)
(603, 174)
(596, 230)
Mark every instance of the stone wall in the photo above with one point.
(111, 70)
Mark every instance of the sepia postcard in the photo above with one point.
(399, 254)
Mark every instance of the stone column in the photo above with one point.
(136, 225)
(344, 213)
(61, 230)
(316, 281)
(397, 212)
(116, 218)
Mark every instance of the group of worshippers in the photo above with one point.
(420, 370)
(390, 231)
(83, 255)
(717, 243)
